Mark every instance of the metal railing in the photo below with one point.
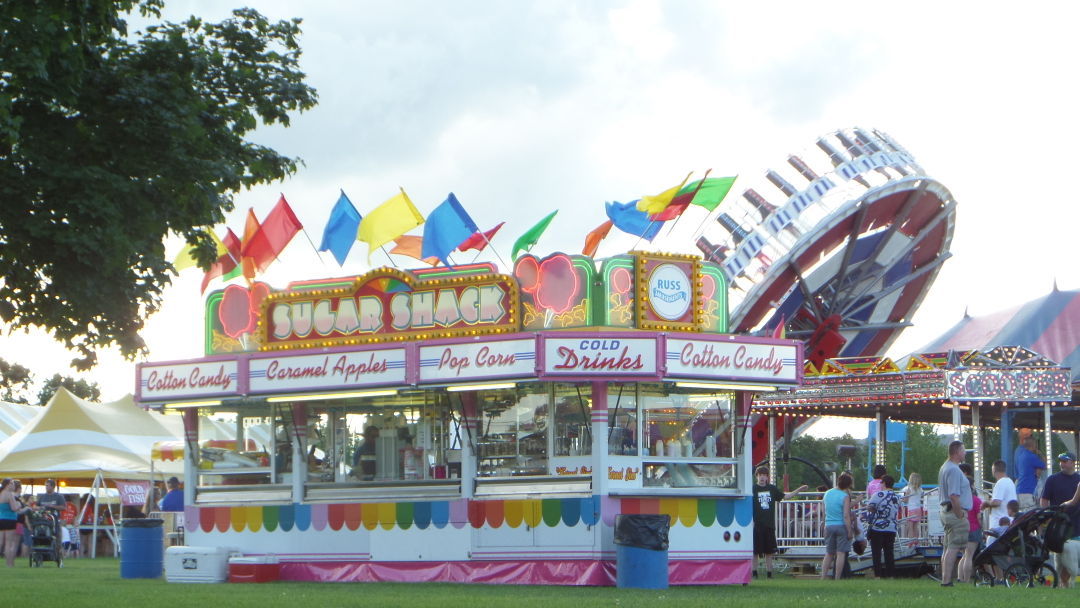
(800, 522)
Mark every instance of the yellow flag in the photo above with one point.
(186, 258)
(658, 202)
(388, 221)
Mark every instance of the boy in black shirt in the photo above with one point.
(765, 498)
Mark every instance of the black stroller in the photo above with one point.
(45, 541)
(1021, 554)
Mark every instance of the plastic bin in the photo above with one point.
(254, 569)
(641, 551)
(141, 548)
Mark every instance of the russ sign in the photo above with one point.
(390, 305)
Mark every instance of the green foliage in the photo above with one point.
(80, 388)
(15, 382)
(109, 143)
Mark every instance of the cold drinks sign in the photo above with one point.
(600, 356)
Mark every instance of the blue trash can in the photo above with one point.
(142, 548)
(641, 551)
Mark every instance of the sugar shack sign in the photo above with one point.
(390, 305)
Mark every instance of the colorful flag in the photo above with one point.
(526, 241)
(592, 240)
(251, 228)
(228, 265)
(446, 227)
(627, 218)
(479, 240)
(393, 218)
(680, 202)
(341, 228)
(412, 246)
(186, 258)
(780, 331)
(658, 202)
(712, 191)
(274, 233)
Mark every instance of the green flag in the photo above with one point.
(712, 192)
(527, 240)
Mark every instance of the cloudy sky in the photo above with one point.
(524, 107)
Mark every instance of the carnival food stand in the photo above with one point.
(464, 425)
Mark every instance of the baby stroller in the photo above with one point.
(1022, 552)
(45, 542)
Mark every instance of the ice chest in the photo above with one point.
(254, 569)
(197, 564)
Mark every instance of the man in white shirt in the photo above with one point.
(1004, 491)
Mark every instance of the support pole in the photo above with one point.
(881, 442)
(957, 431)
(977, 445)
(1006, 441)
(772, 448)
(1049, 435)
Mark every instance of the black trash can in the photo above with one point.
(641, 551)
(142, 548)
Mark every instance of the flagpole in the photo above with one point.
(392, 262)
(495, 251)
(709, 215)
(312, 243)
(701, 183)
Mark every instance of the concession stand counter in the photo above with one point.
(464, 425)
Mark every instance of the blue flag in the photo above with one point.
(446, 227)
(340, 231)
(627, 218)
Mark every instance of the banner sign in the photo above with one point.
(734, 360)
(600, 356)
(338, 370)
(669, 291)
(389, 304)
(200, 379)
(475, 360)
(133, 493)
(1009, 385)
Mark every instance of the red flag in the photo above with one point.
(592, 240)
(228, 262)
(675, 209)
(277, 229)
(479, 241)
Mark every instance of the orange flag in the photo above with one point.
(251, 228)
(592, 240)
(411, 246)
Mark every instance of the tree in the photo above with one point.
(14, 382)
(80, 388)
(108, 144)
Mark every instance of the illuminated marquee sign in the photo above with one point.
(478, 360)
(390, 305)
(669, 292)
(184, 380)
(329, 370)
(600, 356)
(1009, 385)
(778, 363)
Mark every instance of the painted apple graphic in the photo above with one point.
(527, 271)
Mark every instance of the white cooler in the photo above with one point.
(198, 564)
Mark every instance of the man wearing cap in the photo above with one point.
(1060, 488)
(174, 498)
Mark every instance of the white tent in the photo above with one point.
(74, 438)
(14, 416)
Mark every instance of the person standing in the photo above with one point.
(10, 509)
(975, 533)
(876, 484)
(1028, 469)
(1060, 488)
(883, 508)
(955, 497)
(174, 498)
(1004, 491)
(839, 527)
(913, 503)
(766, 495)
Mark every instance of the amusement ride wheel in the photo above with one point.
(842, 261)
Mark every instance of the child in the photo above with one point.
(1014, 509)
(913, 500)
(765, 497)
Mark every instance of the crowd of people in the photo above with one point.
(969, 521)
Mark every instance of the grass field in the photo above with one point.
(97, 583)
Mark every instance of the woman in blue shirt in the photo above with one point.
(839, 529)
(10, 508)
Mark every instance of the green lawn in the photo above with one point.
(86, 582)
